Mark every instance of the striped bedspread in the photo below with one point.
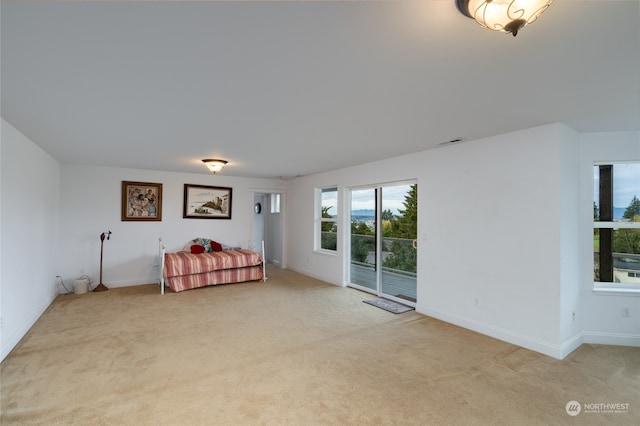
(184, 263)
(222, 276)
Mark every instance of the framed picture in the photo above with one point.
(206, 202)
(141, 201)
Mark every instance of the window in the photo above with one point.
(326, 219)
(275, 203)
(616, 225)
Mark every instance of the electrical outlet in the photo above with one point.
(624, 312)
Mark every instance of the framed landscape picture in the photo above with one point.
(141, 201)
(206, 202)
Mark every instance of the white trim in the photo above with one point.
(545, 348)
(326, 252)
(571, 345)
(616, 225)
(314, 276)
(12, 342)
(617, 339)
(614, 290)
(318, 220)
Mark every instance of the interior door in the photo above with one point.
(383, 240)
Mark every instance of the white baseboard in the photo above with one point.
(312, 275)
(615, 339)
(546, 348)
(127, 283)
(14, 339)
(571, 345)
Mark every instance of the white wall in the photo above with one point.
(91, 204)
(571, 314)
(30, 191)
(496, 224)
(603, 321)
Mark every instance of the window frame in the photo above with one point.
(605, 206)
(319, 220)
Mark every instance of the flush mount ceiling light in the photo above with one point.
(506, 16)
(214, 165)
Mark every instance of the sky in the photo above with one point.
(626, 183)
(364, 199)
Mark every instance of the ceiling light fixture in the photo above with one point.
(506, 16)
(214, 165)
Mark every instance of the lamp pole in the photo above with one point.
(102, 287)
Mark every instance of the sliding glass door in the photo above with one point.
(364, 245)
(383, 254)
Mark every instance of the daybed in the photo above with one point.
(186, 270)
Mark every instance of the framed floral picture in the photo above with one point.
(141, 201)
(206, 202)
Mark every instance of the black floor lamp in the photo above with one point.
(102, 287)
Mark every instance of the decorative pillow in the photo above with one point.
(204, 242)
(197, 248)
(216, 246)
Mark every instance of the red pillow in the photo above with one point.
(197, 248)
(216, 246)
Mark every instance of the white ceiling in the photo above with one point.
(281, 89)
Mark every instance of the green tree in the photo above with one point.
(326, 226)
(406, 224)
(361, 241)
(628, 240)
(361, 228)
(387, 215)
(633, 209)
(359, 248)
(405, 228)
(329, 232)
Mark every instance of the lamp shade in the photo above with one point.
(507, 16)
(214, 165)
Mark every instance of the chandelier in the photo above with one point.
(507, 16)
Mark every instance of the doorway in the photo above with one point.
(383, 248)
(266, 225)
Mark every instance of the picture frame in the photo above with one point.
(141, 201)
(207, 202)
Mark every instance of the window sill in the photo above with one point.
(616, 291)
(326, 252)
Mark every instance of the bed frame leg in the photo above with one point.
(264, 265)
(162, 250)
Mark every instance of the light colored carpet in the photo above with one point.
(292, 351)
